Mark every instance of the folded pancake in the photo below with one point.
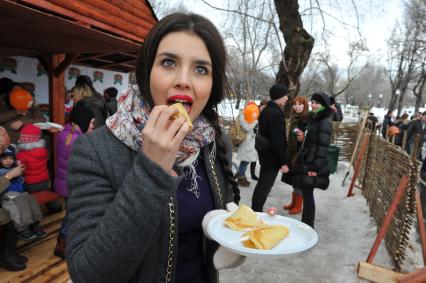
(266, 237)
(243, 218)
(182, 112)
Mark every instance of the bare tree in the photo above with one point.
(406, 47)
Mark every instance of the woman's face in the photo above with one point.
(315, 105)
(298, 107)
(182, 72)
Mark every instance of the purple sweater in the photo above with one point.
(63, 151)
(191, 209)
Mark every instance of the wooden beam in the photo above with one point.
(64, 64)
(56, 100)
(117, 63)
(79, 17)
(377, 273)
(44, 61)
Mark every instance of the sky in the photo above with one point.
(377, 18)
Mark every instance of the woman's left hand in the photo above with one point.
(162, 136)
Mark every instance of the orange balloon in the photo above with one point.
(251, 112)
(20, 99)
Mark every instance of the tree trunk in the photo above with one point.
(299, 44)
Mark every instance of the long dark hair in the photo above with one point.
(204, 29)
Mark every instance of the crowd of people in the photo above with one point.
(25, 158)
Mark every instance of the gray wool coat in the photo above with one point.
(123, 213)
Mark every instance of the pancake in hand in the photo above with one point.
(182, 112)
(266, 237)
(243, 219)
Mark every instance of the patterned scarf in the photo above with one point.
(130, 119)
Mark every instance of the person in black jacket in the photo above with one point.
(274, 158)
(311, 168)
(415, 135)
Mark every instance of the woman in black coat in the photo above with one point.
(311, 168)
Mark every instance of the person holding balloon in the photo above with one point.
(26, 113)
(246, 151)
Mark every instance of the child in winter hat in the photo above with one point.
(33, 154)
(23, 208)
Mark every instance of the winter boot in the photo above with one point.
(10, 262)
(308, 217)
(242, 181)
(60, 247)
(36, 229)
(292, 203)
(298, 205)
(253, 171)
(8, 257)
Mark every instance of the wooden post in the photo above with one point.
(422, 231)
(404, 140)
(358, 164)
(416, 147)
(56, 102)
(388, 218)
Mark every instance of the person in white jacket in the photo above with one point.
(246, 151)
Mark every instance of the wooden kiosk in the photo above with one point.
(105, 34)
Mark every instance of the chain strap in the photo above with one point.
(216, 180)
(172, 213)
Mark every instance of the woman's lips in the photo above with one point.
(186, 101)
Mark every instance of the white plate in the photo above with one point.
(301, 237)
(48, 125)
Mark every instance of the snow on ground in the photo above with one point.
(346, 234)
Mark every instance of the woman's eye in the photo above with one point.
(167, 63)
(201, 70)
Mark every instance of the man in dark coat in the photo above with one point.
(415, 133)
(274, 158)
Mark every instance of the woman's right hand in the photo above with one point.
(16, 172)
(162, 137)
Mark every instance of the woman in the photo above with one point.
(298, 123)
(81, 121)
(246, 151)
(84, 90)
(311, 169)
(139, 187)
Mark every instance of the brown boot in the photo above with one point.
(292, 203)
(242, 181)
(298, 206)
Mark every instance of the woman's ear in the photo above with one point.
(91, 125)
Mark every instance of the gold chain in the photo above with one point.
(172, 231)
(216, 180)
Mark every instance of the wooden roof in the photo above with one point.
(97, 33)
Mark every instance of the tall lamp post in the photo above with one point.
(369, 100)
(380, 100)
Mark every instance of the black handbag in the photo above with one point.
(261, 144)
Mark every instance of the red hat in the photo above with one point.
(29, 133)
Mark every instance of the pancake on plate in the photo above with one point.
(243, 218)
(266, 237)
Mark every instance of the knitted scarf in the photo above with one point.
(130, 119)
